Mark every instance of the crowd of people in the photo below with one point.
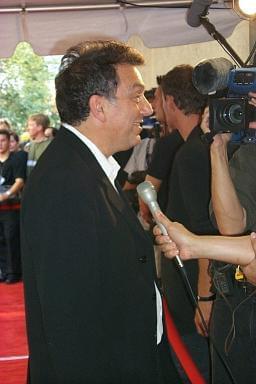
(208, 187)
(231, 287)
(16, 161)
(93, 272)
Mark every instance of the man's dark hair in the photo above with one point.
(159, 80)
(178, 83)
(5, 132)
(150, 94)
(90, 69)
(15, 136)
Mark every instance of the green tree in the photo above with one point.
(25, 87)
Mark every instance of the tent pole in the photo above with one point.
(74, 7)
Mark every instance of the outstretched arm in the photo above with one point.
(234, 250)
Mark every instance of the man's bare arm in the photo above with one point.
(229, 213)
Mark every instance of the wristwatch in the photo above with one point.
(206, 298)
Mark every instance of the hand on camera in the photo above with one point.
(252, 100)
(219, 139)
(205, 121)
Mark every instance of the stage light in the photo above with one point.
(245, 8)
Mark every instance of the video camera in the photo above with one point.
(228, 89)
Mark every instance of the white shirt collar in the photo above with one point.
(109, 165)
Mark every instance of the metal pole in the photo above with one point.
(79, 7)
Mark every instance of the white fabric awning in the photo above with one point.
(51, 32)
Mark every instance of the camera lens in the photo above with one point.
(233, 114)
(228, 114)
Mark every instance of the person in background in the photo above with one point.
(5, 124)
(123, 157)
(137, 165)
(37, 124)
(14, 142)
(189, 192)
(12, 178)
(92, 305)
(157, 105)
(20, 154)
(234, 206)
(159, 166)
(150, 125)
(162, 157)
(234, 213)
(50, 132)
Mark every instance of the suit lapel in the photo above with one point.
(120, 203)
(117, 198)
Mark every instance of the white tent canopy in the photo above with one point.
(53, 26)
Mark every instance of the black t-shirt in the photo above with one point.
(122, 159)
(190, 185)
(188, 203)
(13, 168)
(161, 163)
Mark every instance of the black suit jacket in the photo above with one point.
(88, 274)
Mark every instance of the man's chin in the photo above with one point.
(131, 144)
(138, 139)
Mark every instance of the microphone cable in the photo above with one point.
(186, 281)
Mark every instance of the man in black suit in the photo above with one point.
(92, 306)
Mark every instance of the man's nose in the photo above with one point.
(145, 107)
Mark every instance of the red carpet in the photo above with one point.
(13, 343)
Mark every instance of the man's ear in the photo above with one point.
(96, 104)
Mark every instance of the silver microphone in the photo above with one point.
(147, 193)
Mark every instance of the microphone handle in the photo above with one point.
(154, 207)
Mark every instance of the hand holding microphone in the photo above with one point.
(148, 194)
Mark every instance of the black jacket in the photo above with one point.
(88, 274)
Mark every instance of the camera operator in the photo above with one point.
(188, 201)
(234, 204)
(234, 207)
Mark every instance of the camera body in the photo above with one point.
(233, 112)
(218, 77)
(241, 81)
